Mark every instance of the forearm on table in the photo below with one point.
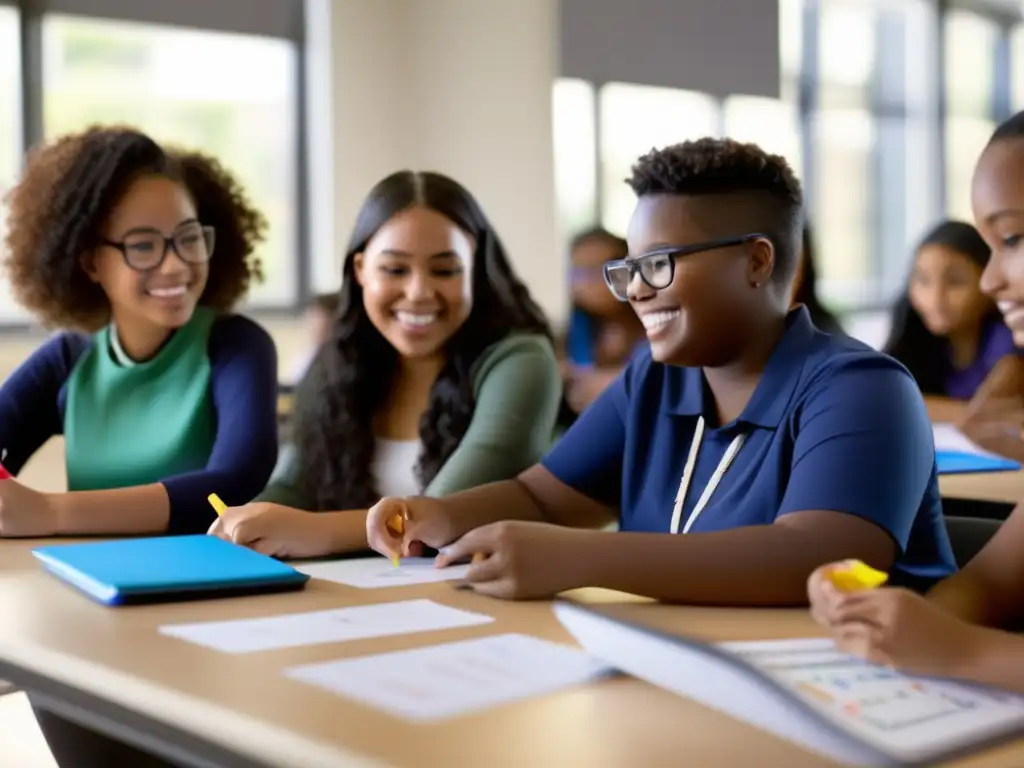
(141, 509)
(343, 530)
(971, 598)
(993, 657)
(755, 566)
(491, 503)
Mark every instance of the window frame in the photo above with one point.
(889, 108)
(283, 20)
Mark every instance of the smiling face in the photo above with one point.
(700, 318)
(997, 196)
(945, 290)
(153, 297)
(416, 273)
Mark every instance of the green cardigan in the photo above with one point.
(518, 390)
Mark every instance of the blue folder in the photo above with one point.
(166, 568)
(956, 462)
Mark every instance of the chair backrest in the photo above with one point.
(969, 535)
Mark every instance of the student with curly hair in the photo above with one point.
(769, 446)
(162, 395)
(439, 375)
(948, 333)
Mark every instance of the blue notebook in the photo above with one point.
(957, 462)
(166, 568)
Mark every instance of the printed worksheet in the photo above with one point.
(357, 623)
(444, 681)
(904, 716)
(377, 572)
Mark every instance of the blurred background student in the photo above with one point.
(603, 332)
(317, 320)
(805, 287)
(947, 332)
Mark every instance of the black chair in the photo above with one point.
(969, 535)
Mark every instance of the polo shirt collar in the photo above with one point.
(771, 399)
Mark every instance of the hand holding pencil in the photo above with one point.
(398, 528)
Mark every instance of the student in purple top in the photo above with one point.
(947, 332)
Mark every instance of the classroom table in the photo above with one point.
(1005, 488)
(109, 668)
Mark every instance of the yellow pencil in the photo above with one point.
(218, 506)
(396, 524)
(856, 575)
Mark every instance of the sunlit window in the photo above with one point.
(842, 209)
(1017, 67)
(231, 95)
(966, 137)
(846, 53)
(574, 114)
(769, 123)
(970, 63)
(10, 133)
(635, 119)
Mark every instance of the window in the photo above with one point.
(843, 210)
(232, 95)
(970, 74)
(575, 155)
(10, 132)
(769, 123)
(1017, 67)
(634, 119)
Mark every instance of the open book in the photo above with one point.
(806, 691)
(955, 453)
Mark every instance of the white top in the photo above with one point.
(394, 467)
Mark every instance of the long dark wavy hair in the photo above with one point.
(353, 373)
(924, 354)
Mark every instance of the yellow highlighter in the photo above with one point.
(218, 506)
(396, 524)
(855, 575)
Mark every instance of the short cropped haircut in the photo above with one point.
(1011, 128)
(724, 166)
(57, 211)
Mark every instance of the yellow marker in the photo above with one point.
(396, 524)
(855, 575)
(218, 506)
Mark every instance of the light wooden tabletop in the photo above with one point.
(242, 701)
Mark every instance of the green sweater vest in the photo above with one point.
(134, 425)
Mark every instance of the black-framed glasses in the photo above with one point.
(657, 268)
(145, 249)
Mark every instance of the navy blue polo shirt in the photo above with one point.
(832, 425)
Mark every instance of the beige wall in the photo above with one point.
(457, 86)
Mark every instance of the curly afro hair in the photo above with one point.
(68, 189)
(724, 166)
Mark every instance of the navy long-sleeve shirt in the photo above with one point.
(200, 417)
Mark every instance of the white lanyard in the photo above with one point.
(716, 477)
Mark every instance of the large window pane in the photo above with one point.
(842, 209)
(230, 95)
(846, 53)
(10, 132)
(635, 119)
(769, 123)
(970, 63)
(966, 137)
(1017, 67)
(574, 113)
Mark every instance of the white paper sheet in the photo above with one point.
(948, 438)
(357, 623)
(443, 681)
(378, 572)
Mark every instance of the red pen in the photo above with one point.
(4, 474)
